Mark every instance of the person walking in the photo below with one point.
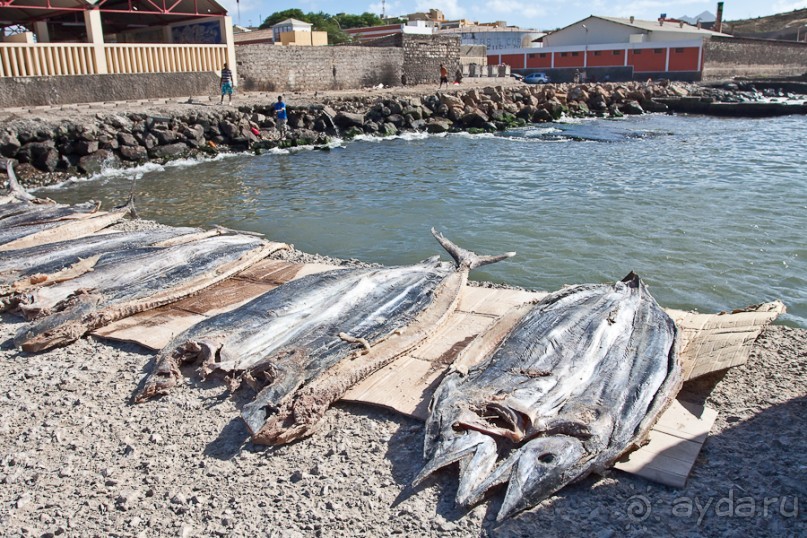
(282, 118)
(226, 84)
(443, 76)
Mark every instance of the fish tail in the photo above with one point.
(14, 187)
(130, 203)
(465, 258)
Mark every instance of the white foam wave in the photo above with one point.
(464, 134)
(408, 136)
(109, 171)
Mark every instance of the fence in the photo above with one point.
(60, 59)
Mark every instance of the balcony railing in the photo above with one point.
(65, 59)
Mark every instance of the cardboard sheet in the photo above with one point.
(709, 342)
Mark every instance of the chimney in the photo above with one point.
(719, 18)
(632, 18)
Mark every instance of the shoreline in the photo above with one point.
(81, 140)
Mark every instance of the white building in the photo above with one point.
(497, 38)
(597, 30)
(375, 32)
(289, 25)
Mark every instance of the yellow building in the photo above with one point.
(299, 33)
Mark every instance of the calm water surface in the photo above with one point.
(710, 212)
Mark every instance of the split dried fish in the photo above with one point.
(127, 282)
(577, 382)
(295, 343)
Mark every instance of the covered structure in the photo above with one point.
(96, 37)
(296, 32)
(610, 48)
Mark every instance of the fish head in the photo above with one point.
(36, 339)
(538, 469)
(58, 329)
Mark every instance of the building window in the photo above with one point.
(617, 53)
(564, 54)
(679, 51)
(531, 56)
(637, 51)
(658, 51)
(542, 55)
(596, 53)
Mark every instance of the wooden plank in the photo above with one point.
(224, 296)
(152, 329)
(673, 445)
(494, 301)
(406, 385)
(714, 342)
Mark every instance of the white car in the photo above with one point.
(536, 78)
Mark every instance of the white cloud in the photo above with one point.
(783, 6)
(450, 8)
(393, 9)
(514, 10)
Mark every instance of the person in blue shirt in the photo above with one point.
(280, 112)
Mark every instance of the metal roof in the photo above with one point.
(116, 15)
(654, 26)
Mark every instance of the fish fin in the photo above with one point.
(632, 280)
(465, 258)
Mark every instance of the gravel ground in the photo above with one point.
(78, 459)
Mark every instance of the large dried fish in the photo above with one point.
(126, 282)
(306, 332)
(44, 265)
(576, 383)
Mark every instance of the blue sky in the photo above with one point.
(540, 14)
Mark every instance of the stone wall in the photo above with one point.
(725, 58)
(423, 55)
(38, 91)
(277, 68)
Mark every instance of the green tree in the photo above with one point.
(347, 20)
(334, 25)
(278, 16)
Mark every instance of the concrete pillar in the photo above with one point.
(227, 22)
(95, 35)
(41, 31)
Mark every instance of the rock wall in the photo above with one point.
(725, 58)
(48, 152)
(38, 91)
(423, 54)
(268, 67)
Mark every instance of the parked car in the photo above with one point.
(536, 78)
(517, 76)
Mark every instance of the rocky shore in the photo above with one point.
(51, 149)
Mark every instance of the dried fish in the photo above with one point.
(51, 263)
(307, 331)
(124, 283)
(606, 366)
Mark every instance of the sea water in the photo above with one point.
(710, 212)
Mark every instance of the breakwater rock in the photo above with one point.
(48, 151)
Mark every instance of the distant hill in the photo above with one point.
(783, 26)
(705, 17)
